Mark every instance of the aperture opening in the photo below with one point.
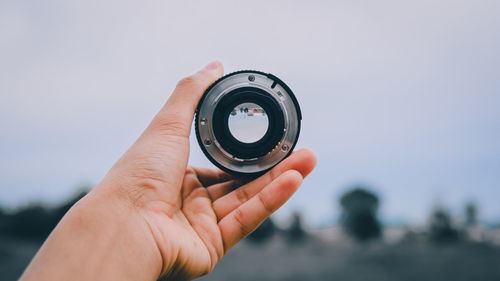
(248, 122)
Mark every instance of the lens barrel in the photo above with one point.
(265, 97)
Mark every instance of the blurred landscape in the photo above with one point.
(400, 95)
(357, 247)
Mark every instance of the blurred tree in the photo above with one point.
(471, 214)
(3, 218)
(32, 222)
(296, 230)
(263, 232)
(2, 213)
(36, 221)
(359, 213)
(441, 228)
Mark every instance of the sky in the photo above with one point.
(401, 96)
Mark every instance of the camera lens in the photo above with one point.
(247, 122)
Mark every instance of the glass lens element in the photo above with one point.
(248, 122)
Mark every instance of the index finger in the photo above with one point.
(248, 216)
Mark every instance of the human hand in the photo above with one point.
(168, 219)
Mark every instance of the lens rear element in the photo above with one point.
(248, 122)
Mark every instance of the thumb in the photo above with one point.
(176, 116)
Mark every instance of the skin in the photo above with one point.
(153, 216)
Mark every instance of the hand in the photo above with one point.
(155, 216)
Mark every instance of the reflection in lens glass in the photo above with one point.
(248, 122)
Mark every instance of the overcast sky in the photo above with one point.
(403, 96)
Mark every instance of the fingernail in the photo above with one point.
(213, 65)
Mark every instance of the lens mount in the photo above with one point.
(272, 99)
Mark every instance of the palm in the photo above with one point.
(191, 230)
(209, 215)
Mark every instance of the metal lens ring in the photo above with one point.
(247, 122)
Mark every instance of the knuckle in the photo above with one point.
(274, 173)
(190, 171)
(242, 195)
(188, 82)
(171, 125)
(239, 217)
(137, 189)
(265, 204)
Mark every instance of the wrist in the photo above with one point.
(111, 238)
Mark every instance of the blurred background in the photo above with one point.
(400, 102)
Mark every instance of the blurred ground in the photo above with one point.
(15, 255)
(313, 259)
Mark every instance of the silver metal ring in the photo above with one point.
(263, 89)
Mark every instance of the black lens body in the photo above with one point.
(220, 99)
